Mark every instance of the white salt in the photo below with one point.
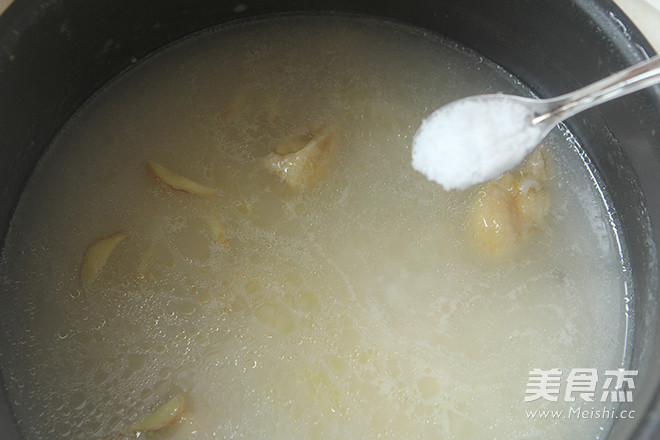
(474, 140)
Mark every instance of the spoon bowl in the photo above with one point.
(476, 139)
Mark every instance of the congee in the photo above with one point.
(229, 241)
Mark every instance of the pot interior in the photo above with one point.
(553, 47)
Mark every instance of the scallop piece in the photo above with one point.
(96, 256)
(161, 417)
(506, 211)
(300, 160)
(178, 182)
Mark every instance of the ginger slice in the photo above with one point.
(96, 256)
(161, 417)
(178, 182)
(301, 159)
(506, 211)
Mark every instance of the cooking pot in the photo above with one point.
(54, 54)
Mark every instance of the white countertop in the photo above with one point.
(644, 13)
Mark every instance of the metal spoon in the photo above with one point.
(498, 131)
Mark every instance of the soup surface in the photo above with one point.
(233, 229)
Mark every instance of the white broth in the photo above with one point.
(323, 292)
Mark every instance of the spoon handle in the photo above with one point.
(632, 79)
